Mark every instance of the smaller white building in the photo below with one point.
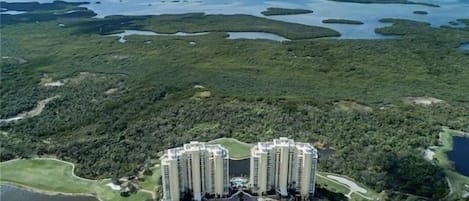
(283, 166)
(196, 169)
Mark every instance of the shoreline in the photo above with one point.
(445, 145)
(92, 190)
(456, 181)
(46, 192)
(239, 159)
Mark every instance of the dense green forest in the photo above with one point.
(122, 103)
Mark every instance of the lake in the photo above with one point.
(122, 35)
(10, 193)
(460, 154)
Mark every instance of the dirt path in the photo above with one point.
(450, 187)
(153, 194)
(32, 113)
(18, 59)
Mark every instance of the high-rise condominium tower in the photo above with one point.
(283, 166)
(196, 169)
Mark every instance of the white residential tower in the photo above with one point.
(283, 166)
(197, 168)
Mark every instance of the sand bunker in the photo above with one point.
(425, 100)
(428, 154)
(53, 84)
(352, 106)
(202, 95)
(110, 91)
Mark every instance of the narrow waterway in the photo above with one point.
(256, 35)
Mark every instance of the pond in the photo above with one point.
(232, 35)
(464, 47)
(10, 193)
(326, 152)
(125, 33)
(240, 168)
(460, 154)
(256, 35)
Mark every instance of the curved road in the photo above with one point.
(349, 195)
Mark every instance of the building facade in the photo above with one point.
(283, 166)
(196, 169)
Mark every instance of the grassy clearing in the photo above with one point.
(53, 176)
(237, 149)
(458, 181)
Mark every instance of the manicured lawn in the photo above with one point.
(44, 174)
(56, 176)
(151, 182)
(237, 149)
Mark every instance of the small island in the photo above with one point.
(341, 21)
(285, 11)
(420, 12)
(454, 23)
(390, 2)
